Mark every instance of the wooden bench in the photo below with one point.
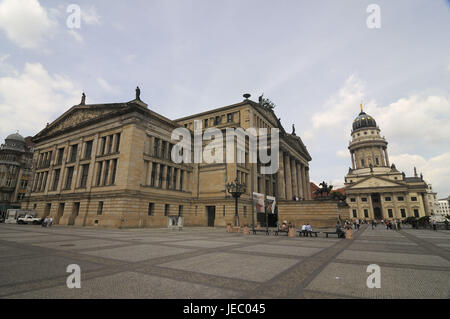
(306, 233)
(333, 233)
(261, 230)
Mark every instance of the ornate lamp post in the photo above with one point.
(236, 189)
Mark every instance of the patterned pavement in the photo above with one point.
(210, 263)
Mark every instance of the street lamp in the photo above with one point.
(236, 189)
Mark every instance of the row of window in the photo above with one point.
(365, 133)
(213, 121)
(164, 176)
(108, 145)
(390, 213)
(106, 175)
(387, 199)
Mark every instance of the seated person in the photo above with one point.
(304, 230)
(339, 231)
(308, 230)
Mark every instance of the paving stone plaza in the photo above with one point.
(210, 263)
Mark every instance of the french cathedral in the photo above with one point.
(375, 188)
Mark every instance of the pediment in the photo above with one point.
(77, 116)
(375, 182)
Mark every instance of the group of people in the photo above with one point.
(306, 230)
(47, 222)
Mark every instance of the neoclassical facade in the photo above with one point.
(375, 189)
(110, 165)
(15, 170)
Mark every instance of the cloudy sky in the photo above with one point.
(316, 60)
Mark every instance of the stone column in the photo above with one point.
(280, 177)
(303, 178)
(149, 173)
(164, 177)
(294, 177)
(158, 168)
(177, 186)
(386, 155)
(353, 159)
(308, 186)
(287, 168)
(299, 180)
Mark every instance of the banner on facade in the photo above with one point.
(271, 202)
(258, 201)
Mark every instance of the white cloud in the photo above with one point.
(343, 154)
(89, 16)
(335, 116)
(33, 98)
(76, 35)
(26, 22)
(417, 124)
(436, 170)
(106, 86)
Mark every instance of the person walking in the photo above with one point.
(434, 225)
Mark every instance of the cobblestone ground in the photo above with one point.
(210, 263)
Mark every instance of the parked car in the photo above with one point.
(13, 214)
(29, 219)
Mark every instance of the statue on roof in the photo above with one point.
(83, 99)
(293, 129)
(138, 93)
(266, 103)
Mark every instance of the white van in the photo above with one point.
(13, 213)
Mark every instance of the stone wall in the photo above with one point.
(324, 213)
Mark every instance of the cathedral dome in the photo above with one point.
(363, 120)
(15, 137)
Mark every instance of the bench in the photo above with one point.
(306, 233)
(333, 233)
(261, 230)
(281, 231)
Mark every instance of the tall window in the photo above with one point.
(166, 209)
(100, 208)
(69, 178)
(73, 153)
(151, 209)
(116, 147)
(152, 176)
(390, 213)
(180, 210)
(181, 180)
(103, 145)
(155, 147)
(229, 117)
(174, 183)
(56, 179)
(99, 173)
(88, 151)
(163, 149)
(160, 178)
(105, 179)
(60, 156)
(113, 173)
(169, 178)
(84, 175)
(403, 212)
